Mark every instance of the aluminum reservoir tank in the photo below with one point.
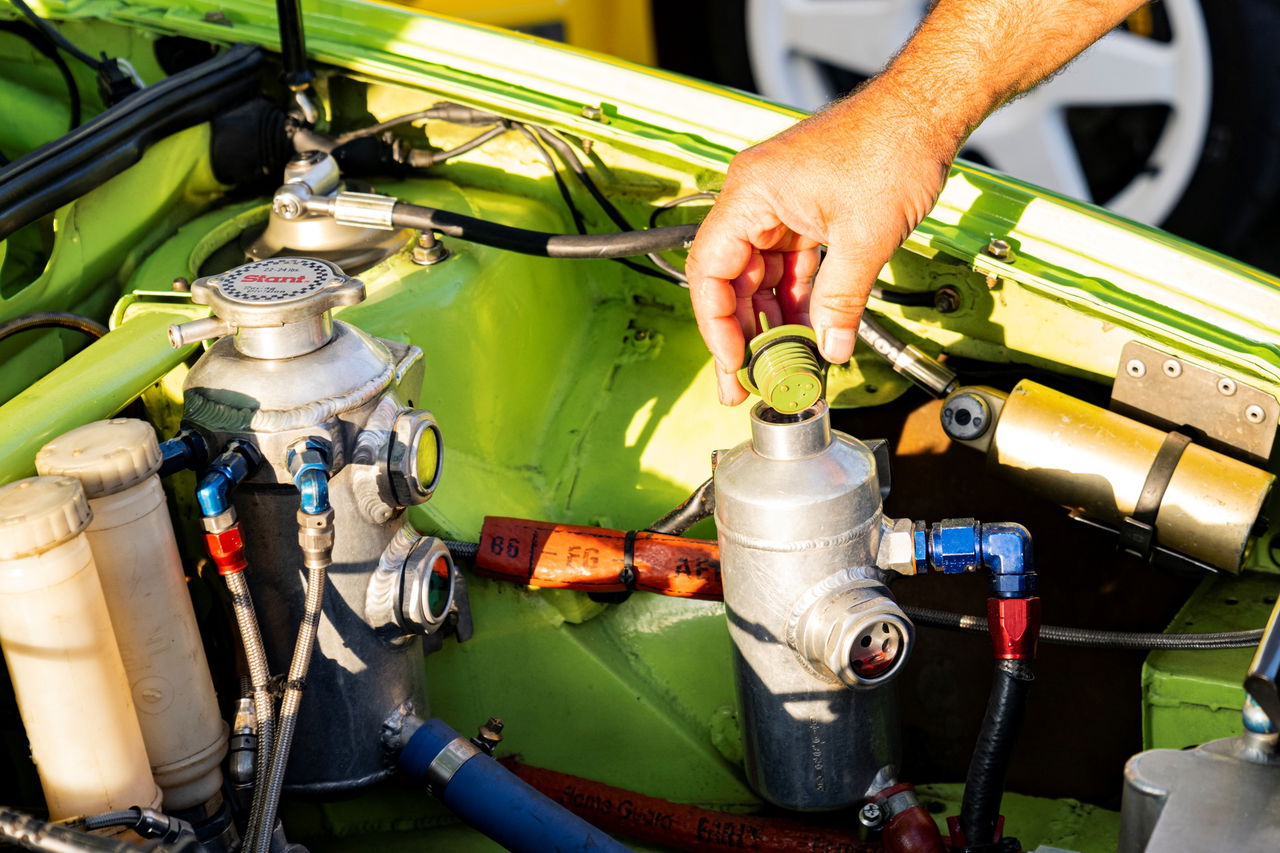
(284, 370)
(816, 634)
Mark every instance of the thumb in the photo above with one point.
(839, 296)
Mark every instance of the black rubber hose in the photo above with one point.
(622, 244)
(23, 830)
(40, 40)
(125, 817)
(462, 550)
(420, 159)
(293, 44)
(699, 505)
(56, 37)
(984, 786)
(52, 319)
(63, 170)
(1090, 639)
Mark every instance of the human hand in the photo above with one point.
(857, 177)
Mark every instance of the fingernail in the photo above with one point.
(837, 345)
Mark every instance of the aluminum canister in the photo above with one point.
(798, 513)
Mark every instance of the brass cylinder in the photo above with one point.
(1095, 462)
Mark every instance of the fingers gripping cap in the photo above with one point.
(39, 513)
(105, 456)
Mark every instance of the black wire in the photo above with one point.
(700, 504)
(578, 222)
(48, 48)
(676, 202)
(52, 319)
(1090, 639)
(571, 159)
(56, 37)
(1049, 634)
(431, 158)
(444, 111)
(533, 134)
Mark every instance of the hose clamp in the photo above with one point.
(447, 762)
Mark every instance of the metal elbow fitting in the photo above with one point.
(854, 631)
(308, 464)
(237, 462)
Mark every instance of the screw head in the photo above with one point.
(871, 815)
(1135, 368)
(287, 206)
(1226, 387)
(1254, 414)
(181, 285)
(1172, 368)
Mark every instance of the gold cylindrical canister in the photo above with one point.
(1095, 462)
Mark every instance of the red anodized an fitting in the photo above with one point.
(1014, 625)
(227, 550)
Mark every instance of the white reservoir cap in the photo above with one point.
(39, 513)
(105, 456)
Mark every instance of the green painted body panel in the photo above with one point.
(1192, 697)
(577, 391)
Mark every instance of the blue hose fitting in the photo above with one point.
(237, 462)
(308, 463)
(956, 545)
(492, 799)
(186, 451)
(1006, 552)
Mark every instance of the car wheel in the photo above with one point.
(1170, 119)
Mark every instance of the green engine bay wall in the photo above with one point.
(576, 391)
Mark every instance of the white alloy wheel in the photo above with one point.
(795, 44)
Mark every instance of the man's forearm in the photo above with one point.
(970, 56)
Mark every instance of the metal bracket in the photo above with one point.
(1170, 392)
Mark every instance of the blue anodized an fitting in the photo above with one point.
(186, 451)
(957, 545)
(1006, 553)
(308, 463)
(237, 462)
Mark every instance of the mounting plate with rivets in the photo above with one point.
(1168, 391)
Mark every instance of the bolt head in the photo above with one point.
(1254, 414)
(1226, 387)
(1136, 368)
(946, 300)
(286, 206)
(999, 249)
(871, 815)
(1172, 368)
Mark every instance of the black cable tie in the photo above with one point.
(1138, 529)
(627, 577)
